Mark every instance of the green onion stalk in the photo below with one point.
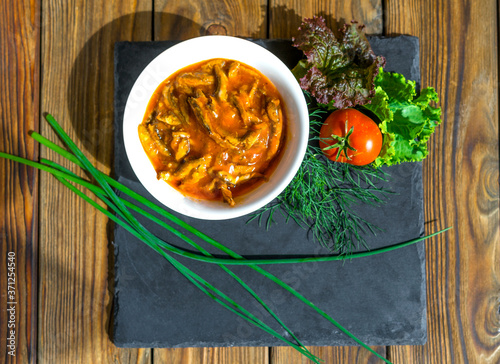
(120, 211)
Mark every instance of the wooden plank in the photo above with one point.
(285, 17)
(330, 354)
(75, 261)
(458, 45)
(184, 19)
(19, 108)
(236, 355)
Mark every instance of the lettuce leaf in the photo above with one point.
(338, 72)
(407, 120)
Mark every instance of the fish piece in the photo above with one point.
(250, 138)
(237, 179)
(227, 177)
(203, 108)
(197, 175)
(212, 185)
(241, 169)
(155, 155)
(158, 130)
(180, 134)
(166, 174)
(150, 117)
(172, 104)
(199, 105)
(233, 69)
(249, 72)
(163, 175)
(246, 141)
(252, 94)
(169, 118)
(184, 107)
(275, 114)
(222, 81)
(241, 102)
(196, 169)
(169, 99)
(182, 149)
(248, 176)
(227, 195)
(235, 172)
(155, 146)
(155, 131)
(190, 82)
(274, 111)
(208, 67)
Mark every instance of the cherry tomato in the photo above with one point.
(349, 136)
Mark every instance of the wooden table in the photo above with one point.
(57, 57)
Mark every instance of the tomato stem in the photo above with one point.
(342, 143)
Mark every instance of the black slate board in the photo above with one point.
(381, 299)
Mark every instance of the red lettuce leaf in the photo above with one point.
(338, 72)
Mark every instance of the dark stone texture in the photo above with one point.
(380, 299)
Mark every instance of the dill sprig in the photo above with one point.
(323, 194)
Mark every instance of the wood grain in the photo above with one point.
(330, 354)
(184, 19)
(75, 264)
(19, 108)
(286, 15)
(235, 355)
(459, 57)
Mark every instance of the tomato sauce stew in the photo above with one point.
(214, 130)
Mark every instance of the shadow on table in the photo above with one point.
(90, 88)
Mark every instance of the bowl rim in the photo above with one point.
(168, 62)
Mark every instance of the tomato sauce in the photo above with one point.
(214, 130)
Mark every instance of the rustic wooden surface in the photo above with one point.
(57, 57)
(19, 113)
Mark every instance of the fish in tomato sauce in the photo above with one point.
(214, 130)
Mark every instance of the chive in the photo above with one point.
(260, 270)
(272, 277)
(200, 282)
(100, 193)
(124, 218)
(203, 236)
(227, 261)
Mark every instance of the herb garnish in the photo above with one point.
(322, 195)
(338, 73)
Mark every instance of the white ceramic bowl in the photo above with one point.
(193, 51)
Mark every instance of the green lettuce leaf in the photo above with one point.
(338, 72)
(407, 120)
